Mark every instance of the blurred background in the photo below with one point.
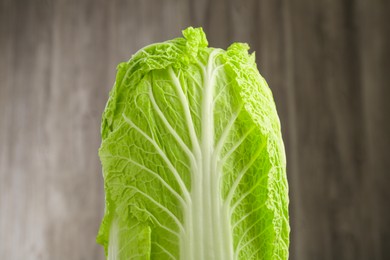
(327, 63)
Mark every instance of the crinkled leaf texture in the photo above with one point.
(193, 158)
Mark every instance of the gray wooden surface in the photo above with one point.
(327, 62)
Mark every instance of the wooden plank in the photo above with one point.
(76, 98)
(333, 175)
(374, 53)
(25, 65)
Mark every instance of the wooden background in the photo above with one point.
(327, 62)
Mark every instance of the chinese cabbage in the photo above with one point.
(193, 158)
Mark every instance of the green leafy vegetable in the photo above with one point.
(193, 158)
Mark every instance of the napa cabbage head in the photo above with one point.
(193, 158)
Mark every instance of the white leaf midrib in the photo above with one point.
(210, 237)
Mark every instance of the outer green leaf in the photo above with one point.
(193, 158)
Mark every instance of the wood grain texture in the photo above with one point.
(327, 63)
